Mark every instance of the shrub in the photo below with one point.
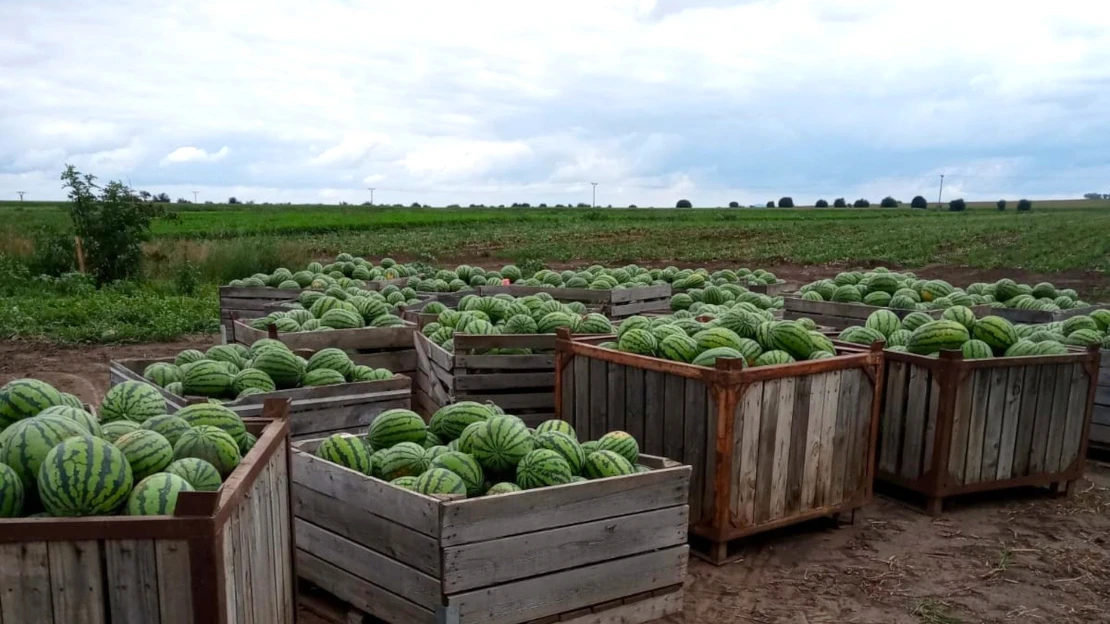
(771, 204)
(733, 204)
(889, 202)
(919, 202)
(840, 203)
(631, 205)
(232, 200)
(957, 205)
(786, 202)
(822, 203)
(683, 203)
(861, 203)
(54, 253)
(1024, 205)
(1001, 204)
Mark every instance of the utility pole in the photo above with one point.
(940, 193)
(371, 189)
(21, 194)
(595, 194)
(195, 196)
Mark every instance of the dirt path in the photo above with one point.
(1018, 558)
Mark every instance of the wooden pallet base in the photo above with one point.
(720, 553)
(936, 505)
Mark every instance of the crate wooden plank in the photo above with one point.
(766, 458)
(780, 467)
(992, 436)
(893, 416)
(978, 425)
(1060, 397)
(1045, 390)
(1101, 415)
(799, 429)
(243, 571)
(654, 410)
(931, 424)
(359, 593)
(599, 398)
(861, 464)
(571, 589)
(76, 582)
(648, 609)
(615, 395)
(913, 438)
(694, 421)
(747, 429)
(819, 398)
(674, 402)
(827, 436)
(359, 338)
(848, 451)
(713, 429)
(492, 562)
(1027, 415)
(132, 573)
(1100, 435)
(1011, 412)
(1076, 413)
(25, 591)
(634, 401)
(262, 547)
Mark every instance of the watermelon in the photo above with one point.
(716, 337)
(25, 444)
(499, 443)
(132, 400)
(12, 493)
(504, 487)
(792, 338)
(394, 426)
(219, 416)
(883, 321)
(449, 421)
(913, 320)
(147, 452)
(202, 475)
(1084, 337)
(542, 468)
(1078, 322)
(595, 324)
(323, 377)
(678, 347)
(333, 359)
(175, 388)
(996, 331)
(169, 427)
(937, 336)
(281, 365)
(639, 341)
(84, 476)
(71, 401)
(463, 465)
(87, 421)
(976, 350)
(433, 452)
(1021, 348)
(622, 444)
(899, 338)
(212, 444)
(431, 439)
(207, 378)
(162, 373)
(961, 314)
(346, 450)
(188, 356)
(265, 344)
(156, 495)
(467, 435)
(601, 464)
(632, 322)
(435, 481)
(225, 353)
(710, 357)
(115, 430)
(1050, 347)
(564, 445)
(561, 426)
(773, 358)
(246, 443)
(376, 459)
(405, 459)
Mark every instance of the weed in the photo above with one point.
(933, 611)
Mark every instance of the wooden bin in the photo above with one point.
(1100, 422)
(780, 287)
(415, 313)
(1039, 317)
(769, 446)
(840, 315)
(616, 304)
(951, 426)
(598, 552)
(523, 385)
(248, 302)
(222, 558)
(378, 347)
(314, 412)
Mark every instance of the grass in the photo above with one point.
(931, 611)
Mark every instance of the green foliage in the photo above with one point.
(53, 254)
(919, 202)
(771, 204)
(786, 202)
(733, 204)
(822, 203)
(1024, 205)
(683, 203)
(957, 205)
(1001, 205)
(889, 202)
(840, 203)
(861, 203)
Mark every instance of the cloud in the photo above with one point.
(194, 154)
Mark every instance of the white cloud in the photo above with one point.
(454, 158)
(194, 154)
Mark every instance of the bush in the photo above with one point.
(822, 203)
(786, 202)
(771, 204)
(233, 200)
(683, 203)
(840, 203)
(734, 204)
(631, 205)
(54, 253)
(1024, 205)
(919, 202)
(957, 205)
(1001, 204)
(861, 203)
(889, 202)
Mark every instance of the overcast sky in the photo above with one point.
(496, 102)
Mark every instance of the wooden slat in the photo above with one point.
(359, 593)
(913, 436)
(894, 409)
(493, 562)
(572, 589)
(694, 419)
(765, 470)
(709, 493)
(1039, 447)
(1060, 396)
(267, 596)
(648, 609)
(781, 466)
(615, 395)
(825, 467)
(654, 411)
(861, 465)
(1076, 412)
(232, 558)
(504, 362)
(931, 425)
(1027, 415)
(978, 424)
(1011, 413)
(819, 398)
(132, 573)
(502, 381)
(285, 557)
(582, 407)
(745, 455)
(76, 582)
(567, 406)
(634, 401)
(25, 591)
(996, 410)
(244, 570)
(599, 398)
(674, 404)
(848, 449)
(799, 438)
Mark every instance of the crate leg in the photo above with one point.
(934, 505)
(447, 615)
(1062, 488)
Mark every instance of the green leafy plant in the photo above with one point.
(919, 202)
(1001, 204)
(889, 202)
(1024, 205)
(957, 205)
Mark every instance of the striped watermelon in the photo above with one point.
(212, 444)
(156, 495)
(147, 452)
(431, 439)
(409, 483)
(773, 358)
(323, 377)
(394, 426)
(188, 356)
(505, 487)
(87, 421)
(346, 450)
(542, 468)
(976, 350)
(162, 373)
(449, 421)
(465, 466)
(883, 321)
(25, 444)
(602, 464)
(265, 344)
(960, 314)
(1021, 348)
(938, 336)
(246, 443)
(913, 320)
(84, 476)
(225, 353)
(405, 459)
(564, 445)
(200, 414)
(561, 426)
(792, 338)
(1084, 337)
(331, 358)
(595, 324)
(678, 347)
(252, 378)
(555, 320)
(72, 401)
(115, 430)
(716, 337)
(899, 338)
(12, 493)
(202, 475)
(622, 444)
(435, 481)
(24, 398)
(860, 335)
(175, 388)
(1050, 347)
(709, 358)
(208, 378)
(433, 452)
(500, 442)
(633, 322)
(639, 341)
(996, 332)
(467, 436)
(1078, 322)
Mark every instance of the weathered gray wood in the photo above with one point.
(232, 563)
(492, 517)
(862, 471)
(694, 434)
(175, 595)
(638, 612)
(654, 413)
(634, 401)
(961, 426)
(848, 447)
(361, 338)
(1027, 415)
(894, 415)
(359, 593)
(572, 589)
(765, 470)
(567, 405)
(501, 381)
(582, 396)
(674, 403)
(132, 573)
(513, 401)
(978, 426)
(267, 598)
(1100, 435)
(1059, 418)
(713, 430)
(1015, 377)
(487, 563)
(284, 559)
(780, 467)
(599, 398)
(615, 397)
(266, 293)
(504, 362)
(913, 437)
(76, 582)
(996, 410)
(931, 425)
(745, 457)
(25, 592)
(825, 467)
(1039, 448)
(1076, 413)
(819, 392)
(799, 429)
(244, 571)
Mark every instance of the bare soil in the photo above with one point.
(1019, 557)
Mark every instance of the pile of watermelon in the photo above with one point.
(233, 371)
(58, 459)
(742, 333)
(713, 300)
(505, 314)
(340, 308)
(347, 270)
(474, 449)
(687, 279)
(990, 336)
(464, 277)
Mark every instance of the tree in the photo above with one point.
(1024, 205)
(822, 203)
(112, 223)
(786, 202)
(1096, 196)
(771, 204)
(733, 204)
(1001, 204)
(683, 203)
(631, 205)
(182, 200)
(840, 203)
(919, 202)
(861, 203)
(162, 198)
(957, 205)
(232, 200)
(889, 202)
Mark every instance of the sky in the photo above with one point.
(531, 101)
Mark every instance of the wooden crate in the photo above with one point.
(1039, 317)
(224, 557)
(415, 313)
(780, 287)
(840, 315)
(249, 302)
(951, 426)
(523, 385)
(769, 446)
(616, 304)
(580, 551)
(377, 347)
(314, 412)
(1100, 422)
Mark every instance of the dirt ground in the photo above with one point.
(1022, 557)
